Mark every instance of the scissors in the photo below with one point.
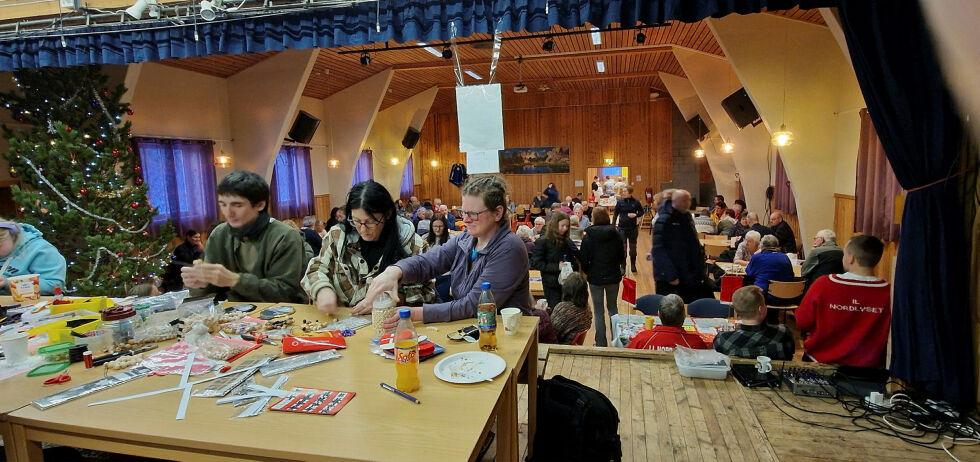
(258, 337)
(58, 379)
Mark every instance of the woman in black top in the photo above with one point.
(601, 256)
(189, 250)
(438, 231)
(549, 253)
(337, 216)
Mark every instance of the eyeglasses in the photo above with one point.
(365, 224)
(473, 215)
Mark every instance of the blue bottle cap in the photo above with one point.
(404, 313)
(485, 285)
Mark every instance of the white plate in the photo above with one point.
(470, 367)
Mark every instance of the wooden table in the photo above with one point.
(666, 417)
(537, 287)
(730, 268)
(450, 424)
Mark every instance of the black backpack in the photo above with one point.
(575, 423)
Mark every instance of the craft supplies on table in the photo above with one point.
(313, 401)
(224, 385)
(352, 322)
(50, 401)
(292, 363)
(329, 340)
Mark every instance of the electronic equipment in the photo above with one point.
(739, 107)
(698, 127)
(808, 382)
(303, 128)
(860, 381)
(411, 138)
(749, 377)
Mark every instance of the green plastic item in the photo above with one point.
(50, 368)
(55, 353)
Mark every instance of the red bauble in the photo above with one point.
(119, 254)
(115, 153)
(135, 205)
(129, 148)
(146, 233)
(83, 191)
(137, 169)
(139, 181)
(110, 229)
(130, 112)
(98, 142)
(105, 93)
(68, 129)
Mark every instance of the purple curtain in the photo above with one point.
(408, 178)
(180, 177)
(741, 191)
(291, 190)
(782, 192)
(364, 168)
(874, 197)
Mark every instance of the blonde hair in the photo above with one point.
(492, 189)
(746, 301)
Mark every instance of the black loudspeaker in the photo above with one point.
(698, 127)
(303, 128)
(740, 108)
(411, 138)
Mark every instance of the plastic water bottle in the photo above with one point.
(486, 317)
(406, 353)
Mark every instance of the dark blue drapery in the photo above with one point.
(915, 118)
(180, 177)
(401, 21)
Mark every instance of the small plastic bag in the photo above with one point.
(700, 358)
(172, 359)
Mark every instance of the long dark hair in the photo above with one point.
(333, 218)
(431, 237)
(374, 199)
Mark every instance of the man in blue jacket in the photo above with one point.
(678, 258)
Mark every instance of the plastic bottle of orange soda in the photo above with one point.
(406, 353)
(486, 319)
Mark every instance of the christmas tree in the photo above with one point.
(83, 186)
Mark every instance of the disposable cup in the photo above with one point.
(14, 346)
(26, 287)
(512, 320)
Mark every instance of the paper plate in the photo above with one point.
(470, 367)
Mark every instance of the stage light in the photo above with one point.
(640, 37)
(365, 59)
(208, 12)
(548, 45)
(447, 53)
(136, 11)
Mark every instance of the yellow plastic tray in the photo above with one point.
(59, 332)
(94, 304)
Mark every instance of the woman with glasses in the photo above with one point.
(552, 253)
(24, 251)
(371, 238)
(487, 252)
(438, 231)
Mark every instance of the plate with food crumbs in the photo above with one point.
(470, 367)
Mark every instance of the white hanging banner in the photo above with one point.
(482, 162)
(481, 119)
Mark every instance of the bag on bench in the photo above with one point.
(575, 423)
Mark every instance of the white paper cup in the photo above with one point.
(512, 320)
(26, 287)
(14, 346)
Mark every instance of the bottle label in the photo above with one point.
(486, 319)
(406, 355)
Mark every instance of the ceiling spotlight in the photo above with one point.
(365, 59)
(447, 53)
(209, 9)
(727, 147)
(640, 37)
(548, 45)
(138, 8)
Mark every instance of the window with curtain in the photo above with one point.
(364, 168)
(179, 175)
(291, 190)
(782, 198)
(408, 178)
(874, 196)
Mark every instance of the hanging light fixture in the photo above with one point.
(727, 147)
(434, 163)
(783, 137)
(365, 59)
(394, 161)
(699, 153)
(222, 160)
(333, 163)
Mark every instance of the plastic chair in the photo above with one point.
(579, 338)
(649, 304)
(709, 308)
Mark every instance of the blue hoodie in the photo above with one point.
(33, 255)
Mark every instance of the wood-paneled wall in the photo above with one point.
(621, 124)
(321, 207)
(844, 228)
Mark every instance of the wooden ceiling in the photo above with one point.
(570, 66)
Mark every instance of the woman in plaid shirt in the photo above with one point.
(754, 337)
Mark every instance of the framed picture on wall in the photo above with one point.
(548, 159)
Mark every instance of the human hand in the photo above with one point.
(387, 281)
(326, 301)
(217, 275)
(3, 282)
(675, 282)
(193, 277)
(392, 321)
(631, 215)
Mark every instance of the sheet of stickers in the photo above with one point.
(313, 401)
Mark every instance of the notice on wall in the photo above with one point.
(482, 162)
(638, 178)
(579, 183)
(481, 120)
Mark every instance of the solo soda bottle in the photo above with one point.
(406, 353)
(486, 317)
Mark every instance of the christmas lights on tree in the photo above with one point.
(82, 184)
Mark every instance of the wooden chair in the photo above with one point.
(716, 237)
(713, 251)
(535, 210)
(788, 291)
(579, 338)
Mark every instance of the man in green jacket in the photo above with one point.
(250, 257)
(825, 258)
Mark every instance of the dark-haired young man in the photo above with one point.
(847, 316)
(251, 256)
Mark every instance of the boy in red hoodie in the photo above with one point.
(671, 333)
(847, 316)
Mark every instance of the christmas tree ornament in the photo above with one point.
(44, 210)
(137, 169)
(67, 128)
(115, 153)
(99, 142)
(130, 112)
(135, 205)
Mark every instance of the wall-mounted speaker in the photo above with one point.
(411, 138)
(303, 128)
(698, 127)
(740, 108)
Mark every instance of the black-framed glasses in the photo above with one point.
(473, 215)
(370, 224)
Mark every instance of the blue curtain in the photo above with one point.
(180, 177)
(400, 21)
(408, 179)
(291, 190)
(364, 168)
(921, 133)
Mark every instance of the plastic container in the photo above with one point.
(406, 353)
(61, 331)
(120, 324)
(382, 308)
(94, 304)
(703, 372)
(486, 316)
(55, 353)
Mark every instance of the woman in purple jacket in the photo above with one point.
(487, 252)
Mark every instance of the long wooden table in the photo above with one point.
(451, 423)
(666, 417)
(537, 287)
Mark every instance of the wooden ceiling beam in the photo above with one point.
(536, 58)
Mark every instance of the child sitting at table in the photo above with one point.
(572, 314)
(754, 337)
(671, 334)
